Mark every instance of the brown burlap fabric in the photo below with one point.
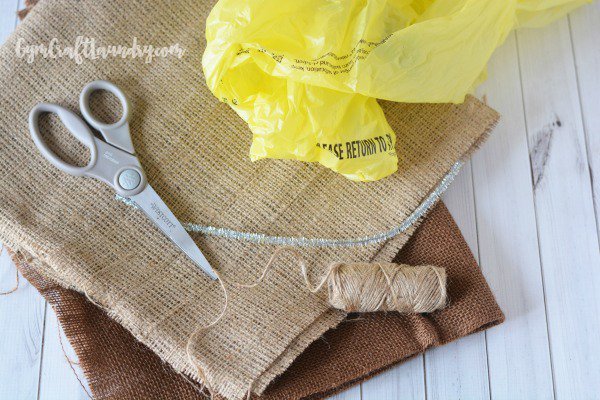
(195, 153)
(117, 366)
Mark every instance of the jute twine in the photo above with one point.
(350, 353)
(371, 287)
(194, 150)
(353, 287)
(386, 287)
(16, 287)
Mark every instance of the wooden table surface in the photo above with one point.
(528, 205)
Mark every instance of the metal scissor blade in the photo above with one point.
(159, 213)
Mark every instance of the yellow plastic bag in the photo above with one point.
(305, 75)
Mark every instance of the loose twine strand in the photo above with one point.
(67, 358)
(352, 288)
(16, 287)
(62, 346)
(69, 361)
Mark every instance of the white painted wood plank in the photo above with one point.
(21, 312)
(405, 381)
(21, 327)
(458, 370)
(351, 394)
(585, 31)
(518, 351)
(441, 380)
(565, 213)
(460, 201)
(467, 377)
(8, 17)
(57, 379)
(491, 225)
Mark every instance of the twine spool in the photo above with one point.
(371, 287)
(386, 287)
(356, 287)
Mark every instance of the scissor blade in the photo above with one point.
(159, 213)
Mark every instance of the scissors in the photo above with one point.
(113, 162)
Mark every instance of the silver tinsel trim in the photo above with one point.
(261, 238)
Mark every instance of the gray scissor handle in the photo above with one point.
(113, 161)
(74, 125)
(119, 169)
(116, 134)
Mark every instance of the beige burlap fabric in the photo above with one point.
(194, 150)
(346, 355)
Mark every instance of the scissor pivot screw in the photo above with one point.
(129, 179)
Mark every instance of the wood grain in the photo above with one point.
(518, 353)
(22, 325)
(528, 207)
(21, 312)
(585, 31)
(57, 379)
(567, 231)
(470, 381)
(406, 381)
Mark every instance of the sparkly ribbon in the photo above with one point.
(261, 238)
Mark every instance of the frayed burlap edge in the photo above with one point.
(326, 321)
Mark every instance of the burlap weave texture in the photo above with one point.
(345, 355)
(194, 150)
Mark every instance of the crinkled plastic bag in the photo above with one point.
(305, 74)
